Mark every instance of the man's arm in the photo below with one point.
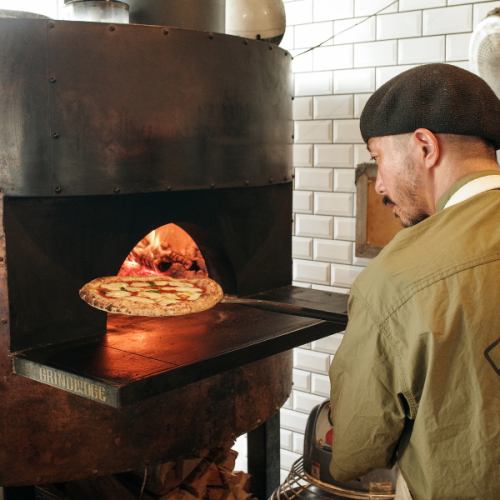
(366, 397)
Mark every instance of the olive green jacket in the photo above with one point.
(417, 377)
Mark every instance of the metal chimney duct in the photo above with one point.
(202, 15)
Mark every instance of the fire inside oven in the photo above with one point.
(166, 251)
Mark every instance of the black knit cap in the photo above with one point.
(440, 97)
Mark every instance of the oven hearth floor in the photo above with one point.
(139, 357)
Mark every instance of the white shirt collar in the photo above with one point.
(473, 187)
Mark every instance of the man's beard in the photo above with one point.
(409, 220)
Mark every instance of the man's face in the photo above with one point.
(400, 177)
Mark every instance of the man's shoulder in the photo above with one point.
(417, 256)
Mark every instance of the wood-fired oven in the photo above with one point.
(107, 133)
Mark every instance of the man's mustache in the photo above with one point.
(387, 201)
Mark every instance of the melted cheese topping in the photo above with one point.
(114, 286)
(143, 300)
(163, 291)
(118, 294)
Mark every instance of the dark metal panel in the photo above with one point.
(133, 108)
(264, 458)
(300, 302)
(24, 130)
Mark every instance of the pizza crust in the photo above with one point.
(150, 296)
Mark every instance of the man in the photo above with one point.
(417, 378)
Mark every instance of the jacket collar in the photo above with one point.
(468, 186)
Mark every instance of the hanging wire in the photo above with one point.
(347, 29)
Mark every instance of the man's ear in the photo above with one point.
(428, 145)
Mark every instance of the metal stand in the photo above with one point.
(300, 485)
(264, 457)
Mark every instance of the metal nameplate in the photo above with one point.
(66, 381)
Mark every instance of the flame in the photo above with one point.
(166, 251)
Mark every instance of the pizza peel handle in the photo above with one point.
(265, 304)
(151, 295)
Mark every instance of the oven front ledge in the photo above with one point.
(141, 357)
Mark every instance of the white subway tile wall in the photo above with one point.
(313, 131)
(313, 361)
(344, 276)
(481, 10)
(346, 131)
(447, 20)
(302, 155)
(305, 402)
(287, 458)
(293, 420)
(354, 30)
(375, 53)
(301, 380)
(313, 272)
(324, 10)
(421, 50)
(354, 80)
(328, 344)
(386, 73)
(303, 202)
(320, 385)
(369, 7)
(344, 228)
(457, 47)
(333, 106)
(320, 179)
(333, 251)
(359, 103)
(333, 204)
(343, 180)
(286, 439)
(298, 443)
(333, 155)
(337, 57)
(303, 108)
(408, 24)
(307, 35)
(313, 83)
(361, 154)
(331, 87)
(302, 248)
(421, 4)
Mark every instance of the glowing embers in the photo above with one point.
(168, 251)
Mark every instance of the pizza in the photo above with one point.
(151, 295)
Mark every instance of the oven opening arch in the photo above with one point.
(179, 250)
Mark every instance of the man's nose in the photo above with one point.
(379, 185)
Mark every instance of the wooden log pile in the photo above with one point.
(210, 476)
